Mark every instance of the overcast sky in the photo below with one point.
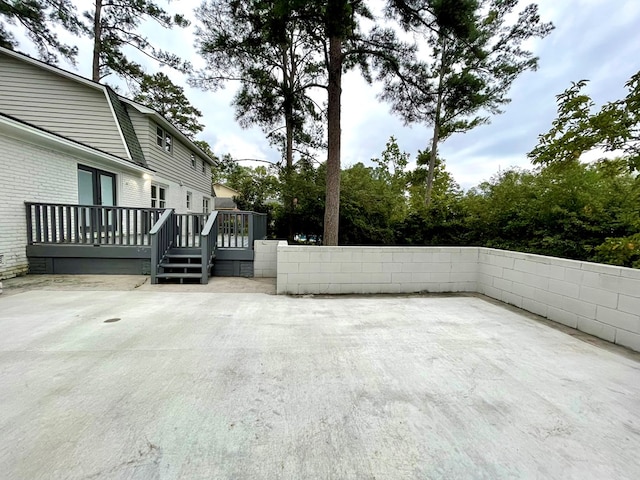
(598, 40)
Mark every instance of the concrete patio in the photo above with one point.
(143, 383)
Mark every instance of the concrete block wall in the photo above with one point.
(602, 300)
(265, 260)
(343, 270)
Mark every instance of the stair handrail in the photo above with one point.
(208, 244)
(162, 238)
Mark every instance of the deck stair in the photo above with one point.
(183, 265)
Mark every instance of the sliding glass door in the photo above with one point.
(97, 187)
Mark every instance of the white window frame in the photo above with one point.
(203, 167)
(157, 201)
(189, 200)
(193, 161)
(164, 140)
(206, 205)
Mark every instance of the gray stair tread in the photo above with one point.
(183, 255)
(180, 265)
(179, 275)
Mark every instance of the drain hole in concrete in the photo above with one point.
(111, 320)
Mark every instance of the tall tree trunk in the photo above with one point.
(332, 205)
(97, 42)
(289, 202)
(436, 126)
(288, 78)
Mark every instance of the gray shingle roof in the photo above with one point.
(126, 126)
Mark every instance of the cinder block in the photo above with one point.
(309, 289)
(288, 267)
(402, 257)
(438, 267)
(534, 306)
(629, 304)
(341, 256)
(491, 291)
(371, 267)
(523, 265)
(549, 298)
(422, 256)
(566, 289)
(462, 277)
(618, 319)
(298, 278)
(392, 267)
(598, 296)
(628, 339)
(597, 329)
(351, 267)
(579, 307)
(562, 316)
(442, 257)
(491, 270)
(401, 277)
(525, 291)
(420, 277)
(330, 267)
(511, 299)
(502, 284)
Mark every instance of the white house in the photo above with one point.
(65, 139)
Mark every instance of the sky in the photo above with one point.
(597, 40)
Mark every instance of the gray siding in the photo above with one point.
(61, 105)
(175, 166)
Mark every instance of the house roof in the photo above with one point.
(21, 129)
(218, 189)
(118, 104)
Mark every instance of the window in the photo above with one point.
(205, 205)
(164, 140)
(158, 196)
(189, 200)
(204, 167)
(193, 161)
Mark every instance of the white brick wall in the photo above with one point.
(601, 300)
(29, 173)
(265, 258)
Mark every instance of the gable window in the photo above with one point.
(189, 200)
(193, 161)
(164, 140)
(158, 196)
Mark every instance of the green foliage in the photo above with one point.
(39, 18)
(276, 62)
(564, 211)
(577, 129)
(477, 53)
(622, 251)
(113, 25)
(258, 186)
(160, 93)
